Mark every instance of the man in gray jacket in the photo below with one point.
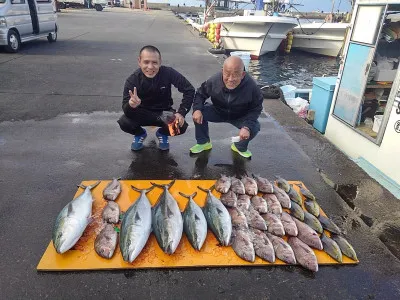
(235, 98)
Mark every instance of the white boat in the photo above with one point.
(320, 38)
(255, 34)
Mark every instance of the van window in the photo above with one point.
(2, 1)
(43, 1)
(15, 1)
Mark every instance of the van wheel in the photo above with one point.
(52, 37)
(98, 7)
(13, 41)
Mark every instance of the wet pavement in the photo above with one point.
(58, 110)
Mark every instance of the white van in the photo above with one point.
(26, 20)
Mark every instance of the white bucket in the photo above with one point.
(245, 56)
(377, 123)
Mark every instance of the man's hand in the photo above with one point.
(244, 133)
(198, 117)
(135, 100)
(180, 119)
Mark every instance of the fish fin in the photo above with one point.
(168, 186)
(196, 218)
(70, 209)
(188, 196)
(142, 190)
(220, 212)
(118, 178)
(169, 212)
(137, 217)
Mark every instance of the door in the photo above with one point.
(359, 57)
(34, 16)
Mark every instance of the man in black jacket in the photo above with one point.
(147, 97)
(236, 99)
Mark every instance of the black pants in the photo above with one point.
(144, 117)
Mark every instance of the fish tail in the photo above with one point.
(206, 190)
(168, 186)
(89, 186)
(188, 196)
(142, 190)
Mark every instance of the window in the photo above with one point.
(16, 1)
(368, 20)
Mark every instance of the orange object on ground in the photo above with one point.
(84, 257)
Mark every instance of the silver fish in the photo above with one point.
(106, 241)
(111, 212)
(312, 207)
(71, 222)
(262, 245)
(242, 244)
(254, 219)
(112, 190)
(308, 235)
(282, 249)
(295, 196)
(194, 222)
(135, 226)
(345, 246)
(331, 247)
(282, 197)
(243, 202)
(305, 256)
(313, 222)
(218, 218)
(282, 183)
(259, 204)
(237, 186)
(274, 224)
(238, 218)
(167, 220)
(273, 204)
(328, 224)
(296, 211)
(288, 224)
(229, 199)
(223, 184)
(306, 193)
(264, 186)
(250, 186)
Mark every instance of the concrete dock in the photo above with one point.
(58, 109)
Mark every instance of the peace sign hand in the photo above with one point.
(135, 100)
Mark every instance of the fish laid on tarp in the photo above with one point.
(167, 220)
(328, 224)
(263, 184)
(273, 204)
(345, 246)
(282, 197)
(308, 235)
(254, 219)
(223, 184)
(331, 247)
(288, 224)
(112, 190)
(283, 251)
(106, 241)
(237, 186)
(111, 212)
(194, 222)
(259, 204)
(72, 221)
(218, 218)
(296, 211)
(305, 256)
(283, 184)
(306, 193)
(250, 186)
(262, 245)
(229, 199)
(242, 244)
(243, 202)
(135, 226)
(295, 196)
(238, 218)
(312, 207)
(313, 222)
(274, 224)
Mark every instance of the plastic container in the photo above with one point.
(288, 91)
(245, 56)
(321, 100)
(377, 123)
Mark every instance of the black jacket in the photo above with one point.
(243, 102)
(155, 93)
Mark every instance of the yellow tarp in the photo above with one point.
(84, 257)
